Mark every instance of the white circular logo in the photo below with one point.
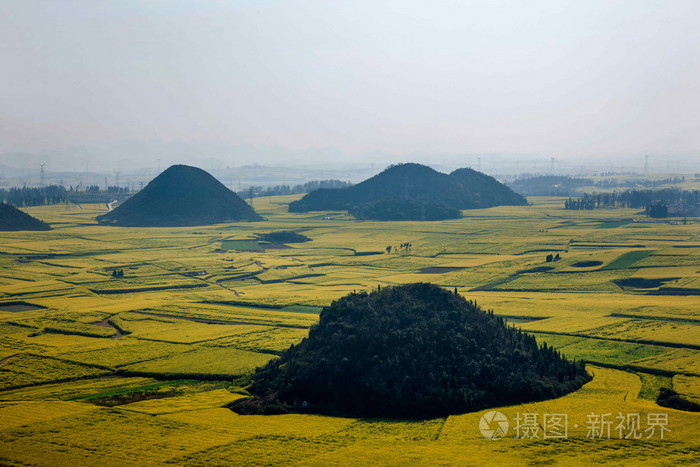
(493, 425)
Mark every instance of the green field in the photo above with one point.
(199, 308)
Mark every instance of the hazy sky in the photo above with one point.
(560, 78)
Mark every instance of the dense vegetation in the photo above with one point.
(415, 350)
(181, 196)
(560, 185)
(670, 398)
(638, 182)
(484, 191)
(404, 209)
(12, 218)
(57, 194)
(462, 189)
(32, 196)
(283, 236)
(656, 203)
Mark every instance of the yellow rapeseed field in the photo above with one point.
(170, 342)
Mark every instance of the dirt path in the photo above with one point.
(5, 360)
(106, 324)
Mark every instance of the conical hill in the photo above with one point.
(181, 196)
(12, 219)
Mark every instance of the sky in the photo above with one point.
(566, 79)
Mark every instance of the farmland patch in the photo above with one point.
(628, 259)
(241, 245)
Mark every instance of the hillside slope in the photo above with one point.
(13, 219)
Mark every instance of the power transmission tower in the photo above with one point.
(42, 180)
(552, 167)
(646, 164)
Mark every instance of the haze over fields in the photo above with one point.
(106, 86)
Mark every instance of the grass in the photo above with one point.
(651, 384)
(241, 245)
(628, 259)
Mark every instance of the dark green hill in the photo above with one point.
(463, 189)
(486, 191)
(181, 196)
(415, 350)
(404, 209)
(12, 218)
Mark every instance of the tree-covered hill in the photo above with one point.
(12, 219)
(404, 209)
(463, 189)
(414, 350)
(181, 196)
(486, 191)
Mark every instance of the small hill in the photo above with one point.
(181, 196)
(486, 191)
(426, 187)
(12, 219)
(414, 350)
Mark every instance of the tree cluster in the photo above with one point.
(276, 190)
(631, 183)
(118, 273)
(33, 196)
(414, 350)
(670, 398)
(657, 203)
(57, 194)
